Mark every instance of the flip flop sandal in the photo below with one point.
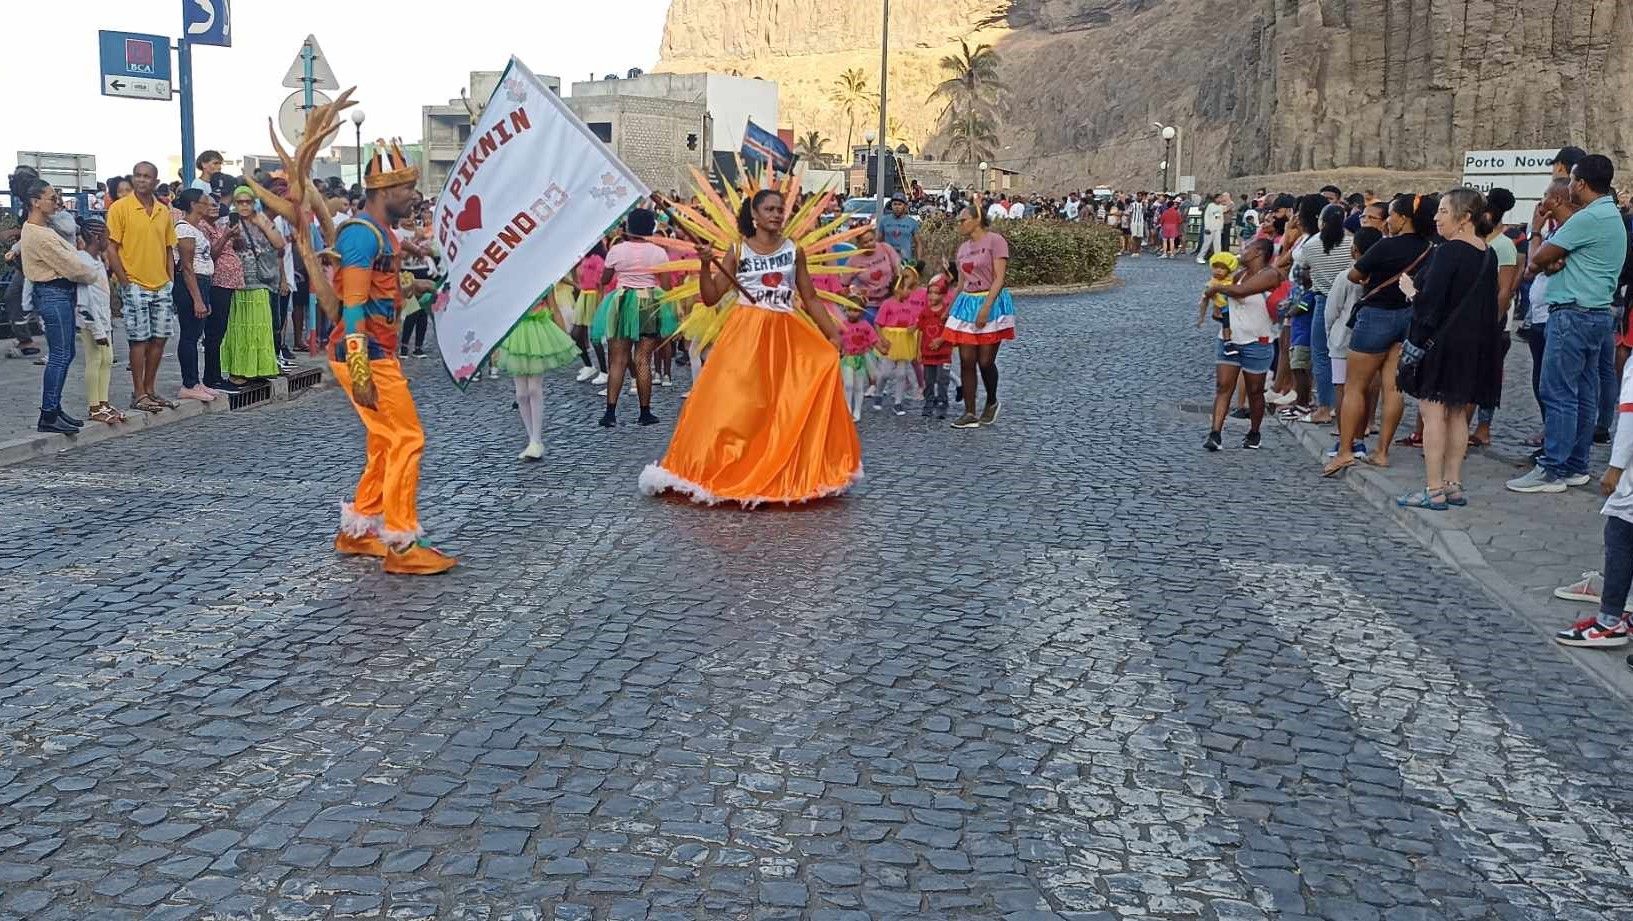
(1334, 471)
(105, 414)
(145, 404)
(1413, 440)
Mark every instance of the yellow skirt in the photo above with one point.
(901, 342)
(766, 421)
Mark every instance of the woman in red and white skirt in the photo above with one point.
(983, 316)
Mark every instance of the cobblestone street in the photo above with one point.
(1069, 667)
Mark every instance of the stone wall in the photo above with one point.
(1261, 86)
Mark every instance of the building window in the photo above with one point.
(464, 133)
(602, 130)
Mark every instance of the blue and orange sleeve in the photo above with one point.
(358, 248)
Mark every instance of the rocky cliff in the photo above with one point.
(1259, 86)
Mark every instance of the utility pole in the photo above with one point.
(884, 104)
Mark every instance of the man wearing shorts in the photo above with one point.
(141, 240)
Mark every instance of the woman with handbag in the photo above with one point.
(1380, 325)
(1452, 358)
(248, 350)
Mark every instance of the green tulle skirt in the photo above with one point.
(634, 313)
(246, 346)
(535, 346)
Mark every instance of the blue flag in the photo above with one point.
(764, 146)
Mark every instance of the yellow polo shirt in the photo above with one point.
(145, 240)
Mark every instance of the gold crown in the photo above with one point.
(388, 167)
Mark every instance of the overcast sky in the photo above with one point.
(53, 100)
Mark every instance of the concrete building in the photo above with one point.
(661, 125)
(445, 128)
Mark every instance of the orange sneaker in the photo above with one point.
(418, 560)
(366, 545)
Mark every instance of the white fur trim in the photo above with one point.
(357, 525)
(401, 538)
(656, 480)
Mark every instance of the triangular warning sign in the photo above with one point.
(323, 76)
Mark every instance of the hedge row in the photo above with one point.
(1042, 251)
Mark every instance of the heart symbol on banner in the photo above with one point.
(471, 217)
(771, 279)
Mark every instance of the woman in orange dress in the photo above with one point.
(767, 420)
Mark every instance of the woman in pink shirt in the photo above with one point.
(630, 318)
(876, 266)
(983, 316)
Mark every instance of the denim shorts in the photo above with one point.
(149, 314)
(1251, 357)
(1377, 329)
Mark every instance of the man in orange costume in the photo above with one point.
(382, 520)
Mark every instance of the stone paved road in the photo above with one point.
(1067, 668)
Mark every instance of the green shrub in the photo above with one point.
(1042, 251)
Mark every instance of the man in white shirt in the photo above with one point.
(997, 211)
(1213, 224)
(1071, 207)
(1017, 210)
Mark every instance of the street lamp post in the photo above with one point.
(1169, 132)
(884, 102)
(982, 181)
(357, 122)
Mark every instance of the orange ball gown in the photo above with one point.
(766, 421)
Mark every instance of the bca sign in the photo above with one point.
(1526, 173)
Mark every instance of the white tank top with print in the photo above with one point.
(769, 280)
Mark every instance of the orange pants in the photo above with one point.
(390, 484)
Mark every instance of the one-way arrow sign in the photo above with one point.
(323, 76)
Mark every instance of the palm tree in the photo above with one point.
(810, 146)
(853, 96)
(969, 97)
(971, 138)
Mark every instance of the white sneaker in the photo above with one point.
(600, 378)
(533, 451)
(493, 373)
(1578, 479)
(585, 374)
(1201, 261)
(1281, 399)
(602, 392)
(1588, 589)
(668, 381)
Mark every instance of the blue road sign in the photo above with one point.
(207, 22)
(135, 65)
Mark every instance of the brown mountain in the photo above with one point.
(1260, 87)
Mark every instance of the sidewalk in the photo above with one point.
(1518, 546)
(20, 380)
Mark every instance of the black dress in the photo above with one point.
(1465, 364)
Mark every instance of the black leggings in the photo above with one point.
(983, 359)
(215, 329)
(416, 325)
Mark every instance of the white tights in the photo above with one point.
(530, 403)
(898, 374)
(856, 385)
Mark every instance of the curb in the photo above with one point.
(1105, 284)
(1458, 550)
(276, 390)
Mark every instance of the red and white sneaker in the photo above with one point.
(1588, 589)
(1589, 634)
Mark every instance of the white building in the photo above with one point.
(445, 128)
(728, 102)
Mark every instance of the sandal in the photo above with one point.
(105, 414)
(1454, 494)
(167, 404)
(144, 403)
(1414, 440)
(1335, 468)
(1431, 499)
(1479, 442)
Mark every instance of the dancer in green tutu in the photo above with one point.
(630, 318)
(537, 344)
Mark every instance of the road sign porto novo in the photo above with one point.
(135, 65)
